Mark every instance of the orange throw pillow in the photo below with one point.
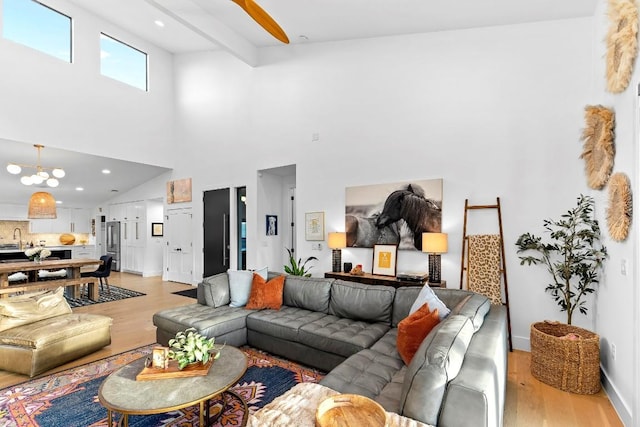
(265, 294)
(413, 330)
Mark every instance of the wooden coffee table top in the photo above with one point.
(120, 392)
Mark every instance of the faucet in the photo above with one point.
(19, 236)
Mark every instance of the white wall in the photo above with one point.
(617, 312)
(72, 106)
(494, 112)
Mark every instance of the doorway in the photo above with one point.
(178, 232)
(216, 232)
(241, 209)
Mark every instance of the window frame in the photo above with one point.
(146, 61)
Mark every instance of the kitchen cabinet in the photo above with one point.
(117, 212)
(13, 212)
(133, 236)
(83, 251)
(69, 220)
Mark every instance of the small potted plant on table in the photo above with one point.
(562, 355)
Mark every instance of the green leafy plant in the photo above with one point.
(574, 257)
(189, 346)
(298, 268)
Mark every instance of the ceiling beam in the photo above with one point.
(215, 31)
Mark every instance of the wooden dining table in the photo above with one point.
(72, 281)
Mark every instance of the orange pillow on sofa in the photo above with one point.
(265, 294)
(413, 330)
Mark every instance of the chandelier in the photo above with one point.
(39, 174)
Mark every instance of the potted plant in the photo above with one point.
(298, 268)
(574, 257)
(562, 355)
(190, 346)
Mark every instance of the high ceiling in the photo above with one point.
(196, 25)
(200, 25)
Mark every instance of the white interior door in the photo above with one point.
(179, 246)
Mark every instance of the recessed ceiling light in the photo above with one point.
(58, 202)
(79, 189)
(159, 23)
(106, 171)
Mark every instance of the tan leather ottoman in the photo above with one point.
(42, 345)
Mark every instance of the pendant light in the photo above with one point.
(42, 205)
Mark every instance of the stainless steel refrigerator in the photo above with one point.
(113, 243)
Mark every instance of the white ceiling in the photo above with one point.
(200, 25)
(82, 170)
(196, 25)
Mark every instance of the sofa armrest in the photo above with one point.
(214, 290)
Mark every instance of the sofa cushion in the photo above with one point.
(211, 322)
(32, 307)
(437, 361)
(265, 294)
(414, 329)
(475, 307)
(283, 323)
(54, 329)
(311, 293)
(402, 302)
(339, 335)
(214, 290)
(357, 301)
(427, 296)
(365, 373)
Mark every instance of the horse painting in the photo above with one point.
(421, 215)
(364, 232)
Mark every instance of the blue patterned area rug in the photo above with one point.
(116, 294)
(70, 398)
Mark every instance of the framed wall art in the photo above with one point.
(385, 259)
(272, 225)
(157, 229)
(375, 214)
(179, 191)
(314, 226)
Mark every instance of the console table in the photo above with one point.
(374, 279)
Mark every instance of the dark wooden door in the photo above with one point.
(216, 232)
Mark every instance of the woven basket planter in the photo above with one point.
(565, 357)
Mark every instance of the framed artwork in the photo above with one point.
(272, 225)
(385, 259)
(314, 226)
(377, 214)
(160, 357)
(157, 229)
(179, 191)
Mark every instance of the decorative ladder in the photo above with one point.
(503, 267)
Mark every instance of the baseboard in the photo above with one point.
(521, 343)
(618, 404)
(151, 273)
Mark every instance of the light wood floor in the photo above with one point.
(528, 401)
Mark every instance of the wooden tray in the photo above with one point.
(350, 410)
(192, 370)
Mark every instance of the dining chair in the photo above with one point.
(103, 272)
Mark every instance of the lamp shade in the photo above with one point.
(434, 243)
(337, 240)
(42, 205)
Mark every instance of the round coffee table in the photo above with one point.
(120, 392)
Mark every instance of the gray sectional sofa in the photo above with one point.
(456, 378)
